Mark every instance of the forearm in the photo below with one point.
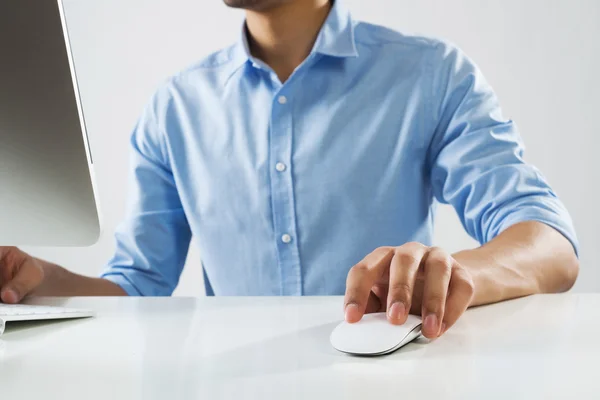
(60, 282)
(526, 259)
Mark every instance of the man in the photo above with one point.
(316, 144)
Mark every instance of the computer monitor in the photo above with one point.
(47, 195)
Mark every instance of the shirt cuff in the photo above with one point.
(559, 222)
(123, 282)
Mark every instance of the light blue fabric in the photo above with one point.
(370, 131)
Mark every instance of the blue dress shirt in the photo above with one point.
(284, 187)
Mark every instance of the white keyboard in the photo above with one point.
(22, 312)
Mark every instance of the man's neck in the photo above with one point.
(284, 36)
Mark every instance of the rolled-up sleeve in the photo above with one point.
(476, 159)
(153, 240)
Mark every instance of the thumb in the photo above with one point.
(27, 278)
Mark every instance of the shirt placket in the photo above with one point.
(282, 192)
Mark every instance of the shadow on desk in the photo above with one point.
(298, 351)
(487, 332)
(29, 330)
(28, 336)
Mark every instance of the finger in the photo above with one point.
(4, 250)
(438, 269)
(361, 279)
(403, 274)
(25, 280)
(6, 270)
(460, 295)
(9, 296)
(380, 291)
(373, 304)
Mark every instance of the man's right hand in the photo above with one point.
(20, 274)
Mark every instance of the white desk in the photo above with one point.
(541, 347)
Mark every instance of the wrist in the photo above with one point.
(495, 279)
(479, 268)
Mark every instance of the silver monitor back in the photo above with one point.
(47, 195)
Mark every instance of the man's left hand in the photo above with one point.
(413, 278)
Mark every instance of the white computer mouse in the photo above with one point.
(374, 335)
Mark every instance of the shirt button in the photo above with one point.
(280, 167)
(282, 100)
(286, 238)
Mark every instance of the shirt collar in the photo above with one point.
(337, 34)
(335, 39)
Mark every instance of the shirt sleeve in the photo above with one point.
(152, 242)
(476, 156)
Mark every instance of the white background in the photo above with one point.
(541, 56)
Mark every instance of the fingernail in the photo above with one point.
(431, 323)
(351, 308)
(11, 296)
(397, 311)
